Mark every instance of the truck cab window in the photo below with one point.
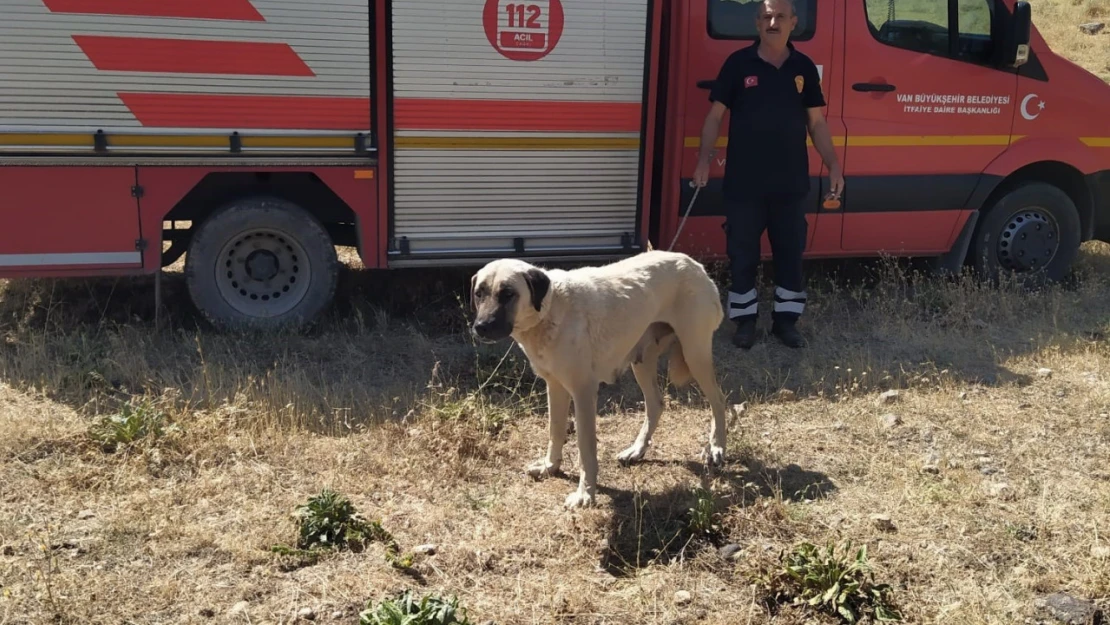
(923, 27)
(735, 19)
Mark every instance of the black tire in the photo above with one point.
(1032, 233)
(249, 255)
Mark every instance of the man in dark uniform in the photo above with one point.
(773, 94)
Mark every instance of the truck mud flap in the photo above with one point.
(950, 262)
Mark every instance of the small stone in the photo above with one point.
(931, 463)
(1000, 490)
(1092, 28)
(85, 514)
(730, 552)
(883, 522)
(889, 397)
(1067, 609)
(963, 395)
(338, 614)
(682, 597)
(1044, 372)
(426, 550)
(239, 608)
(307, 614)
(890, 420)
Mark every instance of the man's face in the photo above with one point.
(776, 21)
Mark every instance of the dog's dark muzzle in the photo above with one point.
(491, 330)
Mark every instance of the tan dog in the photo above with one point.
(586, 326)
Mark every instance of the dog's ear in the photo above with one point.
(473, 283)
(538, 283)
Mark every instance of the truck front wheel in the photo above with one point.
(261, 263)
(1032, 233)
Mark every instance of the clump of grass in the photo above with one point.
(831, 581)
(703, 520)
(406, 610)
(329, 521)
(505, 389)
(133, 423)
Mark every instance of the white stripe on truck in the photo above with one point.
(85, 258)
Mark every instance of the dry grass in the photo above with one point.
(995, 479)
(1059, 22)
(429, 434)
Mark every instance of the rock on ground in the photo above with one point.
(1068, 609)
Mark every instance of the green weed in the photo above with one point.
(329, 521)
(131, 424)
(832, 582)
(406, 610)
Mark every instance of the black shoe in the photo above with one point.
(745, 334)
(787, 333)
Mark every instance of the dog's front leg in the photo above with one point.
(585, 419)
(558, 408)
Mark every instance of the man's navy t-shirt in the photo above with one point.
(767, 121)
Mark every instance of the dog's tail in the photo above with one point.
(677, 369)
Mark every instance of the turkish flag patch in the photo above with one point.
(751, 81)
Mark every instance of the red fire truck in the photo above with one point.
(255, 136)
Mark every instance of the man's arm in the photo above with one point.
(710, 130)
(814, 100)
(721, 96)
(822, 140)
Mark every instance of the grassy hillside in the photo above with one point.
(146, 477)
(1058, 21)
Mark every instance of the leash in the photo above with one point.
(682, 223)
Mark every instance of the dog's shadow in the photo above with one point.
(653, 528)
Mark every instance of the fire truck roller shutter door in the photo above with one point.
(517, 125)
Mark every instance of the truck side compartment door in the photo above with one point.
(716, 29)
(925, 113)
(62, 218)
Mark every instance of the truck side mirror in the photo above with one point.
(1017, 53)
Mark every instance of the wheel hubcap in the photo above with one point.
(263, 273)
(1029, 241)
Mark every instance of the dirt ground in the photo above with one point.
(989, 464)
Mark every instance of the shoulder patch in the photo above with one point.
(799, 82)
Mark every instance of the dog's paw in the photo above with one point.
(579, 499)
(635, 453)
(541, 469)
(713, 455)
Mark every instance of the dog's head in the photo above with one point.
(507, 295)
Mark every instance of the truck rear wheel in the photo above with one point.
(261, 263)
(1032, 233)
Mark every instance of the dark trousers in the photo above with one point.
(783, 217)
